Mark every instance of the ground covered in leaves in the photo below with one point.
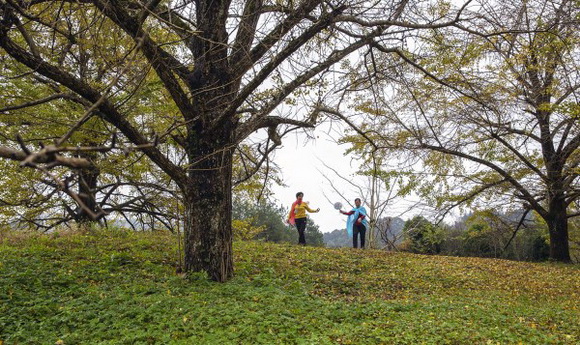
(121, 288)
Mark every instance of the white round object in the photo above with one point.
(337, 205)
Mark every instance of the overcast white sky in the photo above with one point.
(302, 161)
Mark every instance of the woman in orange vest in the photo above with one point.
(297, 216)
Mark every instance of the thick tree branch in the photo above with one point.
(245, 129)
(107, 110)
(570, 148)
(246, 31)
(520, 156)
(46, 157)
(37, 102)
(276, 35)
(284, 91)
(163, 63)
(349, 123)
(282, 56)
(506, 175)
(471, 196)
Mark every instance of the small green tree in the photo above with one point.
(244, 229)
(422, 236)
(476, 239)
(313, 235)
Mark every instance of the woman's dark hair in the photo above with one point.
(357, 199)
(299, 194)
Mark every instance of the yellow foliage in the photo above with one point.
(244, 230)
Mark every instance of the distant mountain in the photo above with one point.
(337, 238)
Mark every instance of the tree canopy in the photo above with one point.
(198, 77)
(484, 115)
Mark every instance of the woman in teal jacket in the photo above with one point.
(357, 223)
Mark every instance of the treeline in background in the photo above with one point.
(485, 233)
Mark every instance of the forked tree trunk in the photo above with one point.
(557, 221)
(208, 207)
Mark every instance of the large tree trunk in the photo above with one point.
(557, 221)
(208, 204)
(87, 186)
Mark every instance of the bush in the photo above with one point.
(422, 236)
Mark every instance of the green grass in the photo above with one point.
(121, 288)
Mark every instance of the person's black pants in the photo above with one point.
(358, 229)
(301, 226)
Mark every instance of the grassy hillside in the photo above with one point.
(121, 288)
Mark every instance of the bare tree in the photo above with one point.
(380, 193)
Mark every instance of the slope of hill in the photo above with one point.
(121, 288)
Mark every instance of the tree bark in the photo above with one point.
(88, 179)
(557, 221)
(87, 185)
(208, 204)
